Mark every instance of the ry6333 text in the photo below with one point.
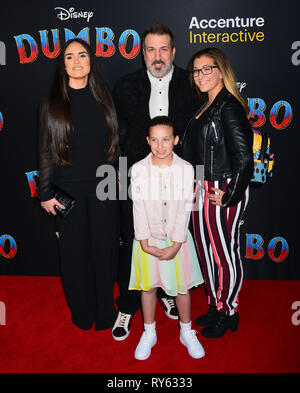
(151, 383)
(173, 382)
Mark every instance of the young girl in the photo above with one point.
(163, 253)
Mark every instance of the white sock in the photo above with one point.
(150, 327)
(185, 326)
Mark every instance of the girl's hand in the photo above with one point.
(155, 251)
(152, 250)
(216, 198)
(170, 252)
(49, 206)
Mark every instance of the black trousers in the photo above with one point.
(89, 242)
(129, 301)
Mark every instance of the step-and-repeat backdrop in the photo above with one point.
(262, 41)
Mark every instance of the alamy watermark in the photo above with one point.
(296, 55)
(2, 53)
(296, 315)
(2, 313)
(145, 185)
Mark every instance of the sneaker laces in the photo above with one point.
(170, 302)
(124, 319)
(191, 333)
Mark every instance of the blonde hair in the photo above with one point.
(226, 70)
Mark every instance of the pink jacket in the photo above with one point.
(162, 202)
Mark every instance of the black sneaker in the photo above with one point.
(208, 318)
(121, 328)
(169, 307)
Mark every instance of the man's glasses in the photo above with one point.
(205, 71)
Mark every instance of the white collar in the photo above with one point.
(174, 161)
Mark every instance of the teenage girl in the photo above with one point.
(163, 253)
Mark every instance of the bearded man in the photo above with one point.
(160, 88)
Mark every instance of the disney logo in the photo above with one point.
(241, 85)
(64, 14)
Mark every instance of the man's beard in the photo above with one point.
(159, 74)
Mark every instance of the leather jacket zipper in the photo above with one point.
(204, 144)
(215, 131)
(211, 160)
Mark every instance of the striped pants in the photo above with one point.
(216, 232)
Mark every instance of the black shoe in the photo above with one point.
(208, 318)
(121, 328)
(169, 307)
(221, 324)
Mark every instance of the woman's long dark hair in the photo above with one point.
(57, 110)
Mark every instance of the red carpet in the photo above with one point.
(38, 336)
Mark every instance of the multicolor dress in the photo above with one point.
(175, 276)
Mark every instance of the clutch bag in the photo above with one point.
(65, 199)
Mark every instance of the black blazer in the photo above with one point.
(131, 97)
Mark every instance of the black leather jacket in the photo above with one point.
(227, 146)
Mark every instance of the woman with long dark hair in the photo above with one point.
(78, 133)
(220, 138)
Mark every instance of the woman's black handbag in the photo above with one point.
(65, 199)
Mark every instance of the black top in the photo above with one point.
(196, 138)
(88, 144)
